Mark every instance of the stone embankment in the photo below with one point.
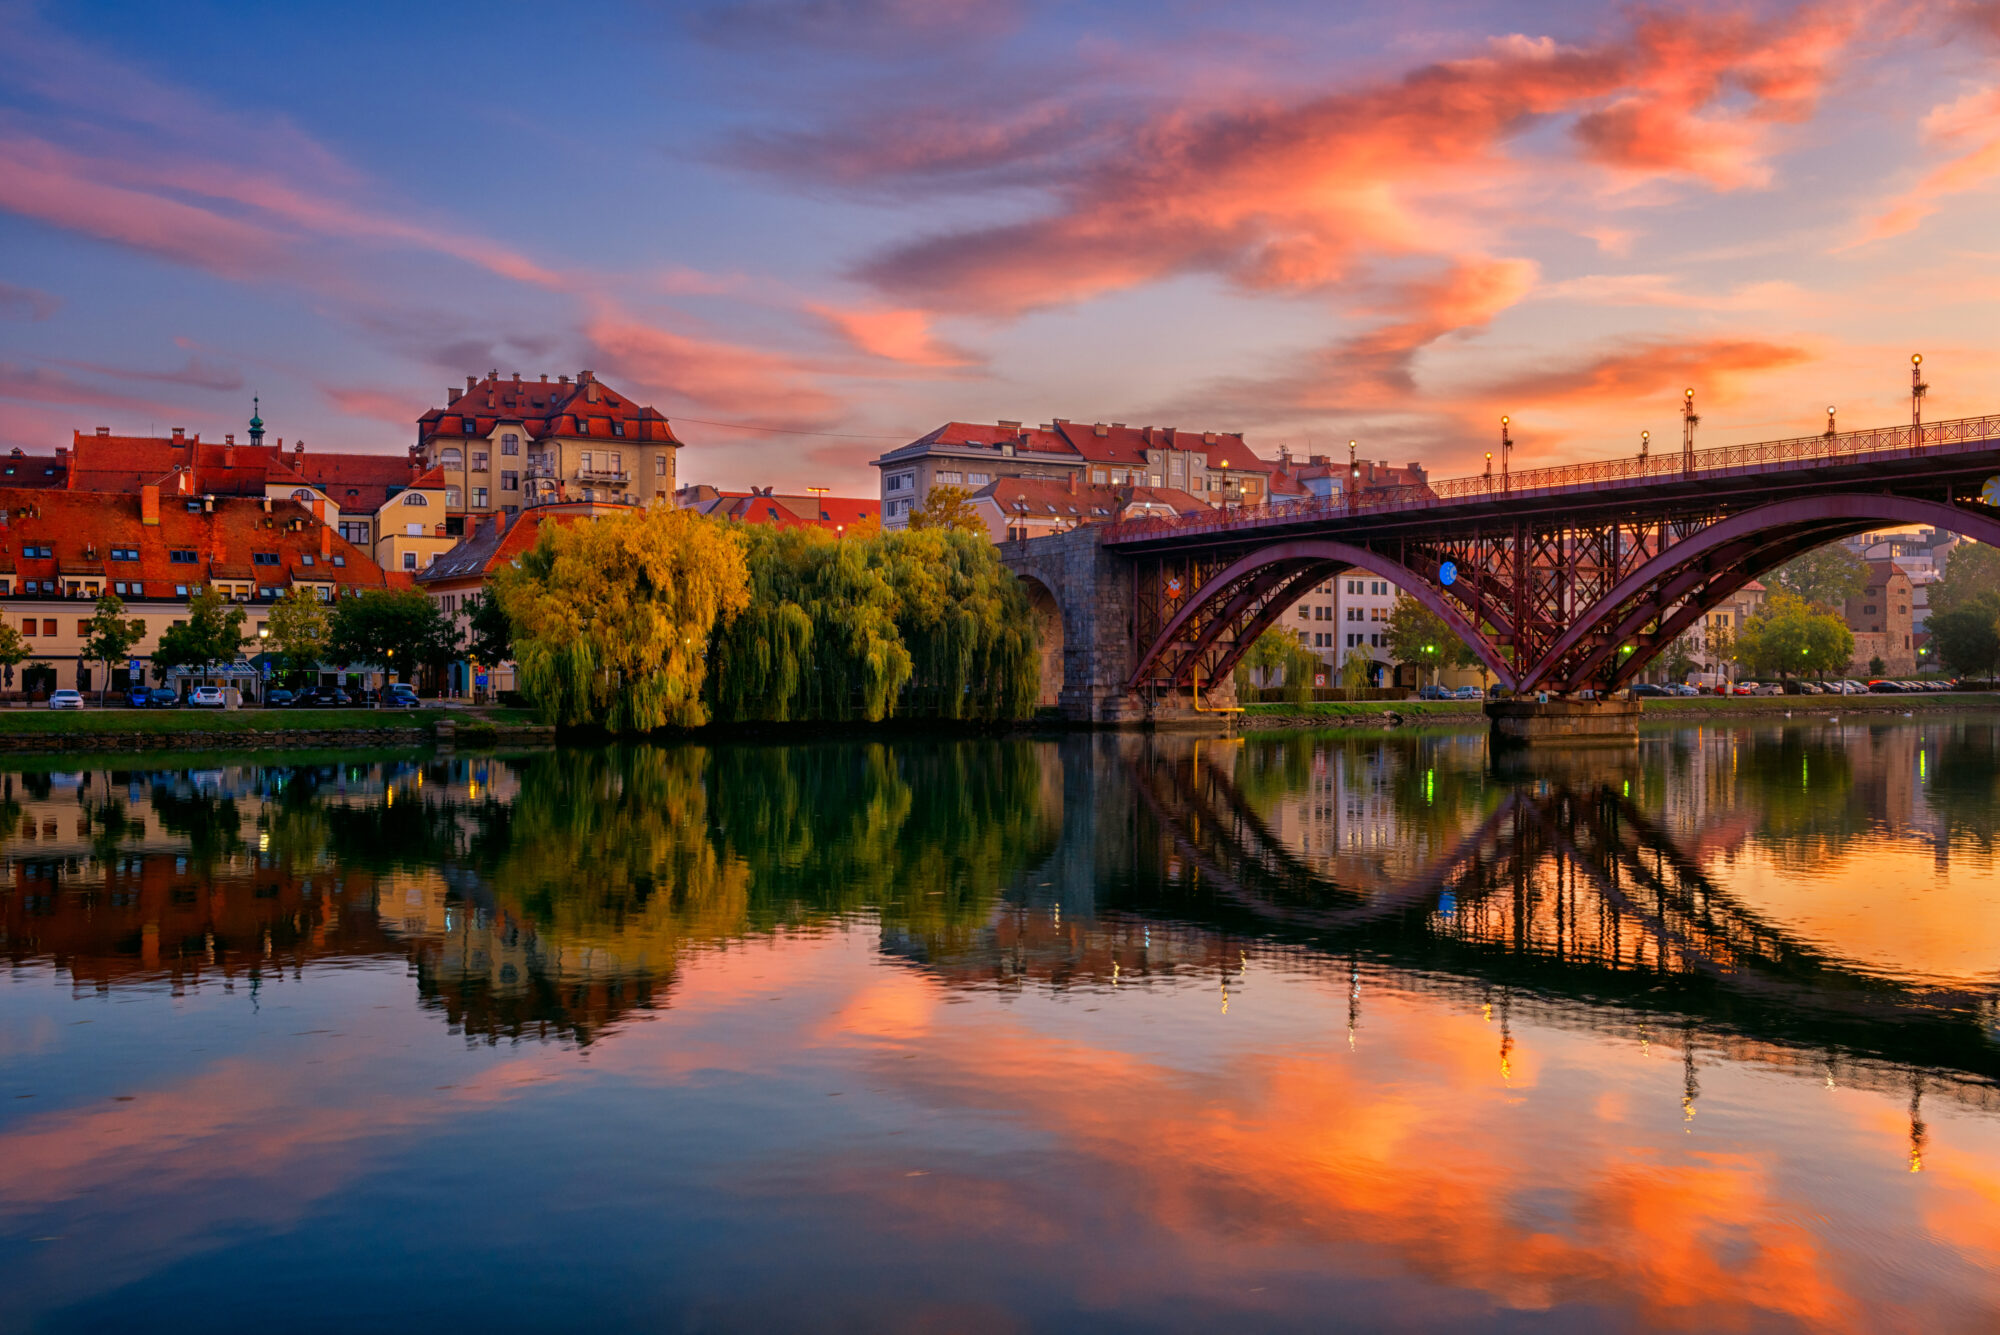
(1718, 710)
(445, 732)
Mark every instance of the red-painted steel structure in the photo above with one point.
(1562, 579)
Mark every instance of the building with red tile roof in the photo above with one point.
(60, 550)
(507, 443)
(762, 505)
(1216, 468)
(1018, 507)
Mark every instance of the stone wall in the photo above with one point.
(1092, 589)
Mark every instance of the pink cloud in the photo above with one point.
(27, 303)
(772, 388)
(379, 405)
(898, 335)
(1297, 196)
(1718, 368)
(1971, 124)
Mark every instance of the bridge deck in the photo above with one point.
(1901, 457)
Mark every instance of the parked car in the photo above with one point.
(323, 697)
(206, 697)
(1882, 686)
(1646, 690)
(1682, 688)
(277, 698)
(1744, 688)
(402, 695)
(138, 697)
(1798, 687)
(65, 700)
(162, 698)
(1433, 693)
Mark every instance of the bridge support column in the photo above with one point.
(1092, 588)
(1563, 722)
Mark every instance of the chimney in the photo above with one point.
(149, 504)
(228, 440)
(471, 382)
(562, 379)
(545, 377)
(221, 554)
(1072, 484)
(592, 391)
(451, 393)
(180, 435)
(1100, 430)
(325, 542)
(104, 431)
(319, 510)
(229, 451)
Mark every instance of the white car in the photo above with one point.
(66, 700)
(206, 697)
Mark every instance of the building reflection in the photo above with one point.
(556, 895)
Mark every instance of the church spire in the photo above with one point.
(256, 423)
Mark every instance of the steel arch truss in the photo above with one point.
(1560, 607)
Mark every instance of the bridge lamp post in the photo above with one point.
(1489, 470)
(1353, 474)
(1689, 421)
(1645, 448)
(1917, 390)
(1506, 450)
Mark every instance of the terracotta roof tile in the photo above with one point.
(541, 409)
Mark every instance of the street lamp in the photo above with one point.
(1645, 448)
(1506, 450)
(1689, 421)
(1917, 390)
(1830, 432)
(1353, 475)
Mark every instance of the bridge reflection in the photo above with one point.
(558, 895)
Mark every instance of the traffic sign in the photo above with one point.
(1447, 573)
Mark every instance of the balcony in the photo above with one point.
(617, 475)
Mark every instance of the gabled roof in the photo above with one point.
(500, 539)
(82, 529)
(765, 507)
(191, 466)
(33, 470)
(586, 407)
(1055, 499)
(1117, 443)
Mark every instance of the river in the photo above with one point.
(1293, 1031)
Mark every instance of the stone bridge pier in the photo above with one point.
(1082, 592)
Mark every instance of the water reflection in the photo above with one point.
(1731, 924)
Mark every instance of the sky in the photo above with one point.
(811, 230)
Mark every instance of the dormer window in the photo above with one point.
(617, 426)
(306, 559)
(471, 427)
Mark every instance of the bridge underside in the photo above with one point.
(1563, 605)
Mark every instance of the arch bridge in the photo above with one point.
(1568, 580)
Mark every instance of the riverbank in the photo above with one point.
(44, 730)
(1471, 713)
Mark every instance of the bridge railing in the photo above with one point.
(1593, 475)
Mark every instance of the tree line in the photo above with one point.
(665, 618)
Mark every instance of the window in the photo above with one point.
(617, 426)
(339, 560)
(1305, 613)
(118, 587)
(471, 429)
(479, 461)
(452, 457)
(614, 462)
(356, 532)
(182, 556)
(451, 497)
(1354, 586)
(510, 444)
(901, 482)
(583, 462)
(28, 627)
(48, 627)
(263, 592)
(306, 558)
(659, 465)
(264, 558)
(124, 553)
(479, 498)
(44, 550)
(194, 507)
(417, 498)
(582, 426)
(180, 590)
(1869, 610)
(409, 560)
(1354, 614)
(949, 478)
(509, 480)
(1097, 476)
(977, 479)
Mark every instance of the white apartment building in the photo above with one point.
(1349, 612)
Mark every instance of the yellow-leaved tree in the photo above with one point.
(612, 617)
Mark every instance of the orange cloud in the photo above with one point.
(1717, 367)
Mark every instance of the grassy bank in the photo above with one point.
(249, 722)
(1366, 709)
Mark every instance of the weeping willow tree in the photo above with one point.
(819, 640)
(612, 618)
(1279, 650)
(967, 624)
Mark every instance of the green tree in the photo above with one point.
(965, 620)
(948, 507)
(1966, 639)
(299, 626)
(1791, 637)
(1279, 652)
(490, 636)
(1357, 670)
(1825, 576)
(1420, 637)
(1876, 667)
(1679, 663)
(392, 629)
(109, 637)
(13, 649)
(1971, 570)
(612, 619)
(211, 637)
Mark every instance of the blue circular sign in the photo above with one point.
(1447, 573)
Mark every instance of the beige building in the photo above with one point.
(502, 444)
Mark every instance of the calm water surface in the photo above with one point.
(1293, 1032)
